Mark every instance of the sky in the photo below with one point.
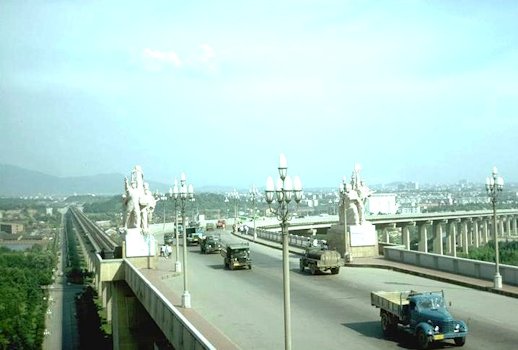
(423, 91)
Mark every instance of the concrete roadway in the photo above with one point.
(328, 311)
(61, 322)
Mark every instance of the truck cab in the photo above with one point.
(236, 255)
(210, 244)
(193, 235)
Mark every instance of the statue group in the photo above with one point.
(138, 201)
(355, 195)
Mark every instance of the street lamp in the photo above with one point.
(184, 193)
(343, 201)
(234, 195)
(494, 185)
(284, 193)
(253, 196)
(177, 264)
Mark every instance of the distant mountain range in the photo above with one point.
(16, 181)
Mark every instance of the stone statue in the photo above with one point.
(363, 193)
(131, 198)
(147, 204)
(356, 194)
(352, 208)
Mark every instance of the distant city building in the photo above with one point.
(49, 211)
(11, 228)
(382, 203)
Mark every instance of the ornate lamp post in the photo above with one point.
(494, 185)
(253, 197)
(284, 193)
(177, 264)
(234, 195)
(184, 193)
(344, 201)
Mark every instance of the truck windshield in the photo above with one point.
(240, 253)
(433, 302)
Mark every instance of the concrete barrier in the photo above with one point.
(461, 266)
(176, 328)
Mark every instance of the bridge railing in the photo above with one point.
(293, 240)
(460, 266)
(176, 328)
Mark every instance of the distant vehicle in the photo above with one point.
(168, 238)
(320, 259)
(423, 315)
(236, 255)
(221, 224)
(193, 235)
(210, 244)
(210, 226)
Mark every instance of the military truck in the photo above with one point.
(236, 255)
(192, 235)
(320, 259)
(210, 244)
(423, 315)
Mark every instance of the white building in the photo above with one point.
(382, 203)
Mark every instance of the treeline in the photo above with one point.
(23, 301)
(209, 204)
(508, 253)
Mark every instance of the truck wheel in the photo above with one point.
(335, 270)
(423, 341)
(301, 264)
(250, 266)
(386, 325)
(312, 269)
(231, 266)
(460, 341)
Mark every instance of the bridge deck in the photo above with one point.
(162, 272)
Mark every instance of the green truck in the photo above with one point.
(320, 259)
(210, 244)
(423, 315)
(193, 235)
(236, 255)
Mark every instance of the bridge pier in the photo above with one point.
(132, 327)
(476, 233)
(423, 236)
(452, 241)
(406, 234)
(437, 241)
(464, 236)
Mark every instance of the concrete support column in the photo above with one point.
(423, 236)
(500, 224)
(406, 234)
(464, 236)
(515, 228)
(107, 299)
(485, 231)
(476, 234)
(386, 234)
(132, 327)
(508, 225)
(437, 241)
(453, 236)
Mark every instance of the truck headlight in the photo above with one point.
(436, 329)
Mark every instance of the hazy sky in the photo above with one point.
(412, 90)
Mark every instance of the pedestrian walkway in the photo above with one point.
(381, 262)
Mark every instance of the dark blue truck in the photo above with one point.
(422, 314)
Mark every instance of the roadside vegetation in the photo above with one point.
(23, 296)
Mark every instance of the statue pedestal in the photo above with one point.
(354, 241)
(138, 244)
